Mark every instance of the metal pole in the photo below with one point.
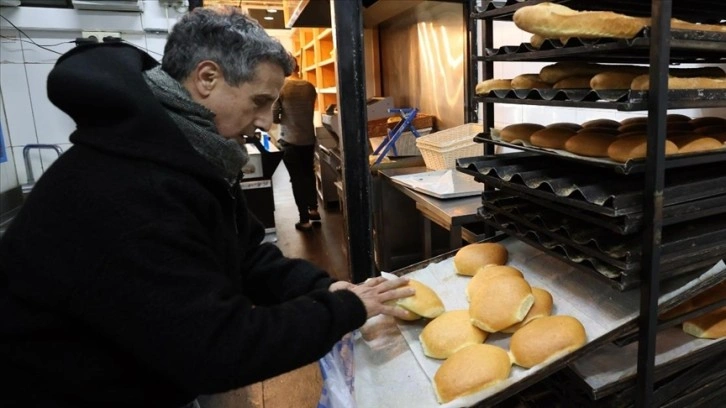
(470, 62)
(348, 27)
(653, 199)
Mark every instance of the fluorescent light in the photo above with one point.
(272, 10)
(269, 18)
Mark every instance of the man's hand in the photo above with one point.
(375, 292)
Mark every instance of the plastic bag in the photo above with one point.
(337, 368)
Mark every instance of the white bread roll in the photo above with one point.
(634, 146)
(470, 370)
(519, 131)
(542, 307)
(470, 258)
(573, 82)
(501, 302)
(449, 333)
(590, 143)
(553, 21)
(484, 87)
(711, 325)
(425, 302)
(642, 83)
(529, 81)
(488, 272)
(552, 138)
(546, 339)
(601, 123)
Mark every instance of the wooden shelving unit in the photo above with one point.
(315, 53)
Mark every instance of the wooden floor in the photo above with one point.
(326, 247)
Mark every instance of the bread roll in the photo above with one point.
(707, 121)
(470, 370)
(552, 138)
(633, 127)
(634, 146)
(677, 118)
(590, 144)
(501, 302)
(717, 132)
(632, 121)
(558, 71)
(519, 131)
(697, 144)
(612, 80)
(449, 333)
(601, 123)
(542, 307)
(407, 314)
(573, 82)
(470, 258)
(711, 325)
(546, 339)
(642, 83)
(484, 87)
(565, 125)
(529, 81)
(487, 273)
(425, 302)
(551, 20)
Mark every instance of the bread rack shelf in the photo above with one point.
(650, 47)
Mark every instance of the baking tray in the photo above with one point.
(595, 189)
(387, 348)
(624, 224)
(617, 278)
(624, 253)
(442, 184)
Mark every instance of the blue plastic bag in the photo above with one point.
(338, 370)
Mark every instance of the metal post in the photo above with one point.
(470, 62)
(653, 199)
(348, 26)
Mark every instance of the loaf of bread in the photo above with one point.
(501, 302)
(601, 123)
(529, 81)
(573, 82)
(642, 83)
(546, 339)
(558, 71)
(449, 333)
(590, 143)
(677, 24)
(634, 146)
(425, 302)
(470, 258)
(542, 307)
(612, 80)
(566, 125)
(484, 87)
(711, 325)
(519, 131)
(554, 20)
(706, 121)
(471, 370)
(487, 273)
(696, 143)
(552, 138)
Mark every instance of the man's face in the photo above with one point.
(240, 109)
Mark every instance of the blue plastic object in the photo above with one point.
(389, 142)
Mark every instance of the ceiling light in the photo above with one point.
(272, 10)
(269, 18)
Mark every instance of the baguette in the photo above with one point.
(554, 21)
(677, 24)
(642, 83)
(484, 87)
(558, 71)
(552, 138)
(573, 82)
(529, 81)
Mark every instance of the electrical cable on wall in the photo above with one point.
(31, 40)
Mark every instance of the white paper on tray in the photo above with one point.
(441, 183)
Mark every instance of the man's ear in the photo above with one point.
(205, 77)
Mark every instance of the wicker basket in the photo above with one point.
(441, 149)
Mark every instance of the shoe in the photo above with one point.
(314, 215)
(304, 226)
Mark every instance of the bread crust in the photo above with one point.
(642, 83)
(500, 303)
(425, 302)
(488, 272)
(470, 370)
(552, 138)
(711, 325)
(448, 333)
(470, 258)
(529, 81)
(519, 131)
(590, 144)
(484, 87)
(545, 339)
(542, 307)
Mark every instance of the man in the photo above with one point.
(134, 275)
(294, 112)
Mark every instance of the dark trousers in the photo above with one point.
(299, 161)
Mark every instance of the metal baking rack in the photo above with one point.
(632, 166)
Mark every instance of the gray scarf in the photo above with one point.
(197, 124)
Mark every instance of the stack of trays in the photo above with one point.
(591, 218)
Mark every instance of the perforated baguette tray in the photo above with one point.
(587, 188)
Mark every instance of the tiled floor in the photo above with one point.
(324, 246)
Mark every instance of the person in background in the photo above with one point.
(134, 275)
(293, 110)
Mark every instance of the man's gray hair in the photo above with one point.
(226, 36)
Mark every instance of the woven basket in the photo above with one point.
(441, 149)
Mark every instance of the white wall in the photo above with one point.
(26, 114)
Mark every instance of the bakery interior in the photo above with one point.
(573, 150)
